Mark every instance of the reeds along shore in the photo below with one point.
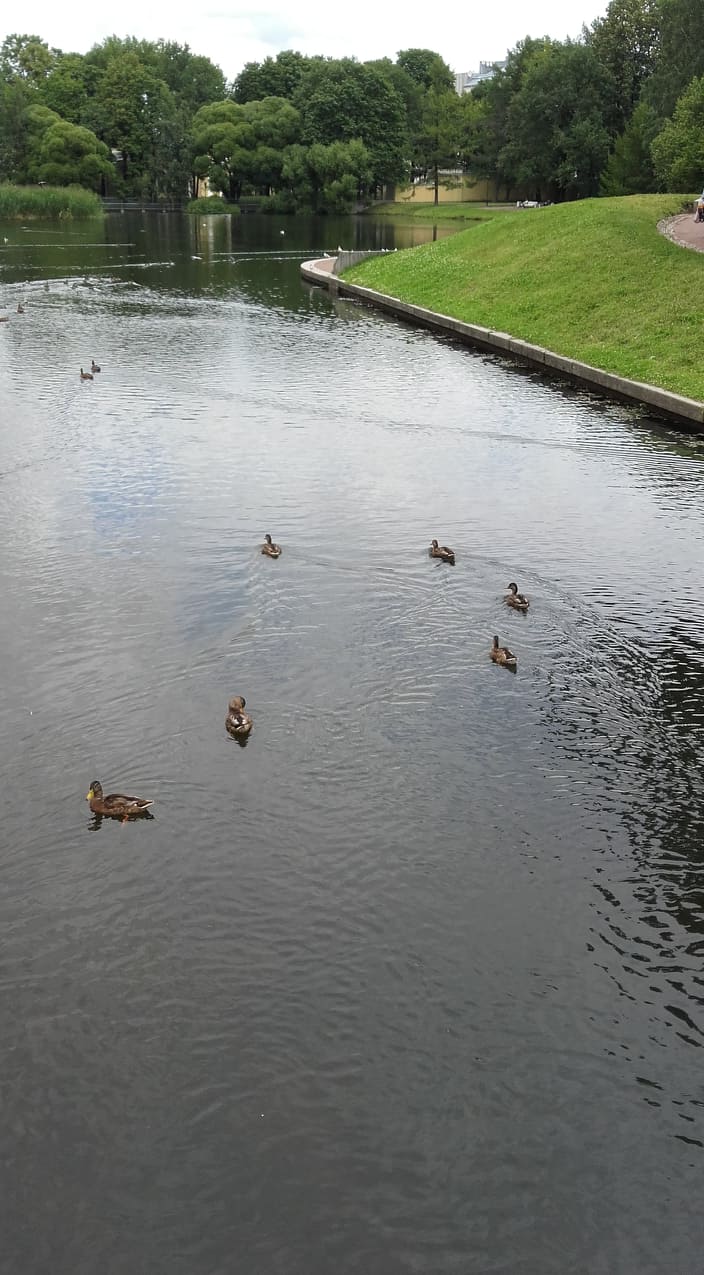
(56, 203)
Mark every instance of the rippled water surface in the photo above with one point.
(413, 982)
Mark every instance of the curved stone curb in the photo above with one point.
(680, 231)
(687, 411)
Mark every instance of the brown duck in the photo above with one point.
(502, 655)
(238, 723)
(271, 550)
(517, 600)
(442, 552)
(117, 805)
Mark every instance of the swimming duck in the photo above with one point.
(86, 376)
(20, 308)
(4, 318)
(237, 722)
(94, 366)
(271, 550)
(502, 655)
(517, 600)
(442, 551)
(117, 805)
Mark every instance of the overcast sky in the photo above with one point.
(232, 34)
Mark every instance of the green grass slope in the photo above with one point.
(592, 280)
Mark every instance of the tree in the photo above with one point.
(438, 143)
(67, 87)
(629, 169)
(194, 80)
(130, 112)
(487, 143)
(426, 68)
(26, 57)
(222, 142)
(625, 41)
(327, 178)
(64, 154)
(558, 141)
(274, 77)
(15, 97)
(678, 149)
(679, 56)
(344, 100)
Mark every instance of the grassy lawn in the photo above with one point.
(592, 280)
(461, 211)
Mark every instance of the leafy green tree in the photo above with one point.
(222, 141)
(558, 141)
(678, 149)
(629, 169)
(15, 97)
(64, 154)
(438, 143)
(426, 68)
(274, 77)
(130, 112)
(194, 80)
(68, 86)
(625, 42)
(26, 57)
(328, 178)
(344, 100)
(679, 56)
(486, 144)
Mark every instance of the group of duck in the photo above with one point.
(238, 723)
(5, 318)
(88, 376)
(518, 602)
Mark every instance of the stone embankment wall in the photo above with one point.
(686, 411)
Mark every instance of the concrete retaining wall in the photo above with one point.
(686, 411)
(344, 260)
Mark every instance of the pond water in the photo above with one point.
(413, 982)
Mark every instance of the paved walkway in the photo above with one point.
(685, 231)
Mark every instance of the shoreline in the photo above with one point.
(687, 412)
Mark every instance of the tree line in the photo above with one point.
(617, 111)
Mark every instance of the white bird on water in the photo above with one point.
(281, 232)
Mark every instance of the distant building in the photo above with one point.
(465, 81)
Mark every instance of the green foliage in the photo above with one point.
(437, 144)
(238, 146)
(426, 69)
(64, 154)
(592, 280)
(212, 206)
(678, 150)
(15, 97)
(680, 53)
(25, 57)
(274, 77)
(67, 87)
(625, 42)
(329, 178)
(56, 204)
(343, 100)
(629, 170)
(558, 141)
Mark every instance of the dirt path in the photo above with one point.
(684, 230)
